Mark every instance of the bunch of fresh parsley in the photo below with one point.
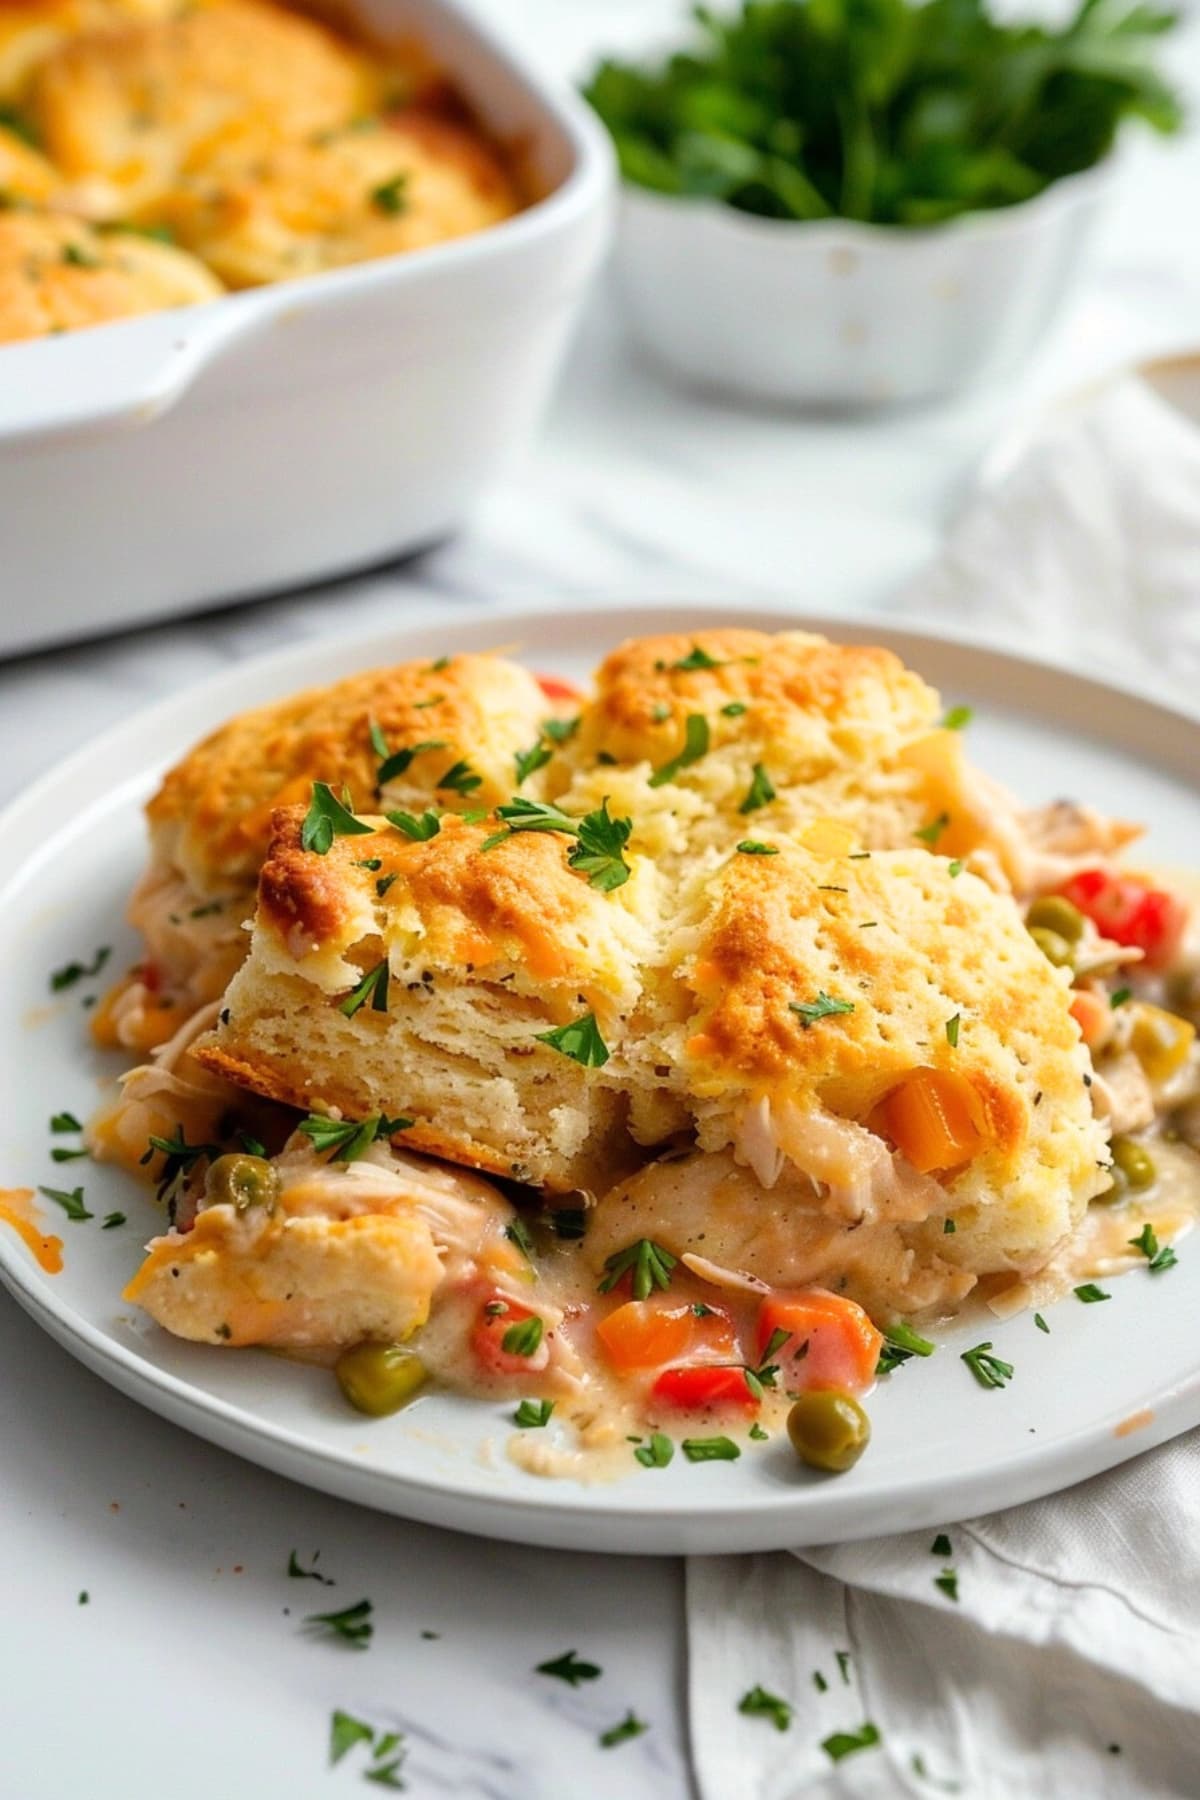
(883, 110)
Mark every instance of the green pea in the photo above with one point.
(1053, 913)
(829, 1430)
(1134, 1162)
(243, 1182)
(379, 1378)
(1054, 948)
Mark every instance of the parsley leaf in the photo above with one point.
(1090, 1294)
(393, 763)
(947, 1581)
(734, 709)
(326, 819)
(760, 792)
(420, 828)
(952, 1026)
(649, 1264)
(524, 1338)
(580, 1040)
(112, 1220)
(372, 987)
(941, 1545)
(181, 1159)
(697, 658)
(695, 745)
(957, 717)
(1147, 1242)
(1041, 1323)
(823, 1007)
(517, 1232)
(348, 1139)
(844, 1743)
(752, 847)
(65, 1121)
(461, 778)
(533, 1413)
(598, 851)
(72, 1203)
(988, 1370)
(629, 1727)
(352, 1625)
(391, 197)
(527, 761)
(657, 1453)
(72, 972)
(929, 834)
(345, 1731)
(758, 1703)
(569, 1668)
(559, 730)
(713, 1449)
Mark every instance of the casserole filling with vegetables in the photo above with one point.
(667, 1060)
(155, 153)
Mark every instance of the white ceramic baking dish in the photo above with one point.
(290, 432)
(838, 314)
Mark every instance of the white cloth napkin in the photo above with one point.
(1069, 1666)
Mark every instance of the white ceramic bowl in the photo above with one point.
(290, 432)
(837, 314)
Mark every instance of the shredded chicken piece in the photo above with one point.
(1122, 1094)
(865, 1181)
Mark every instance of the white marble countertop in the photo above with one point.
(184, 1668)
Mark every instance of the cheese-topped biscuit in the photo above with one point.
(426, 987)
(375, 188)
(57, 274)
(143, 103)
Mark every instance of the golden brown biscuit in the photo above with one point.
(145, 102)
(31, 29)
(371, 190)
(57, 274)
(470, 955)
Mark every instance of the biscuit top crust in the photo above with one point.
(57, 274)
(898, 964)
(212, 815)
(819, 703)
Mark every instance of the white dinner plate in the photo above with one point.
(1107, 1382)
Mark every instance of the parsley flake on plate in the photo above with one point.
(344, 1732)
(580, 1040)
(957, 718)
(1090, 1294)
(845, 1743)
(72, 972)
(712, 1449)
(1159, 1258)
(987, 1369)
(629, 1727)
(326, 819)
(531, 1414)
(112, 1220)
(657, 1453)
(65, 1121)
(71, 1203)
(947, 1582)
(352, 1625)
(941, 1545)
(759, 1703)
(569, 1668)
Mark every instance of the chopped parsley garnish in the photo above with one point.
(947, 1581)
(713, 1449)
(298, 1573)
(441, 665)
(72, 1203)
(569, 1668)
(580, 1040)
(845, 1743)
(954, 868)
(952, 1026)
(905, 1338)
(528, 761)
(345, 1731)
(941, 1545)
(559, 730)
(397, 762)
(657, 1453)
(649, 1264)
(79, 258)
(842, 1659)
(524, 1338)
(111, 1220)
(695, 745)
(1041, 1323)
(733, 709)
(65, 1121)
(391, 198)
(517, 1232)
(387, 1775)
(383, 884)
(59, 1155)
(823, 1007)
(72, 972)
(758, 1703)
(352, 1625)
(348, 1139)
(819, 1682)
(988, 1370)
(764, 1374)
(418, 827)
(1090, 1294)
(758, 1434)
(752, 847)
(949, 1227)
(372, 987)
(326, 819)
(760, 792)
(533, 1413)
(1120, 997)
(461, 778)
(1147, 1242)
(370, 862)
(598, 851)
(697, 658)
(929, 834)
(957, 717)
(629, 1727)
(181, 1158)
